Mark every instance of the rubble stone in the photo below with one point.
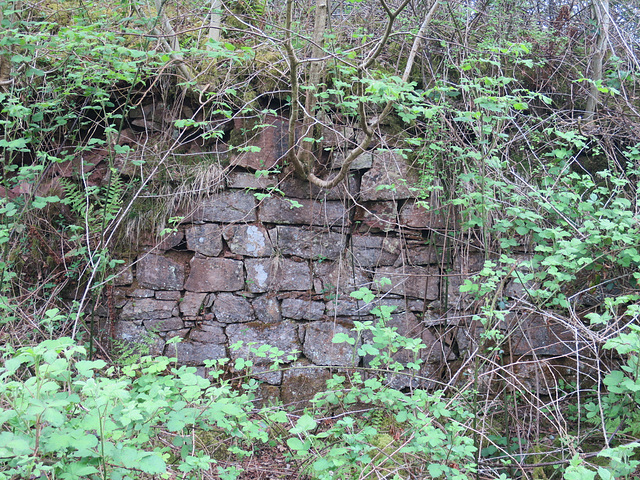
(283, 335)
(276, 274)
(281, 210)
(191, 303)
(147, 309)
(159, 273)
(205, 239)
(230, 308)
(375, 251)
(267, 309)
(319, 347)
(248, 240)
(301, 309)
(309, 244)
(229, 206)
(416, 282)
(215, 275)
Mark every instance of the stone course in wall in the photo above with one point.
(250, 270)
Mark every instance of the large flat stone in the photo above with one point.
(419, 253)
(277, 274)
(195, 353)
(191, 303)
(248, 240)
(542, 336)
(138, 339)
(340, 277)
(227, 207)
(375, 216)
(173, 323)
(246, 180)
(306, 243)
(208, 333)
(416, 282)
(215, 275)
(295, 187)
(230, 308)
(422, 216)
(270, 143)
(369, 251)
(301, 382)
(160, 273)
(320, 349)
(388, 179)
(280, 210)
(267, 309)
(302, 309)
(283, 335)
(205, 239)
(148, 309)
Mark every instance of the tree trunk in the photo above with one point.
(602, 19)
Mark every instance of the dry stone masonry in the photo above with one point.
(253, 265)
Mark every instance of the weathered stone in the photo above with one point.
(267, 395)
(426, 378)
(215, 275)
(464, 267)
(230, 308)
(194, 353)
(205, 239)
(227, 207)
(263, 373)
(208, 333)
(417, 282)
(340, 277)
(147, 309)
(191, 303)
(377, 216)
(271, 140)
(245, 180)
(406, 325)
(160, 273)
(346, 306)
(248, 240)
(335, 135)
(375, 251)
(171, 240)
(540, 336)
(437, 349)
(141, 293)
(168, 295)
(301, 382)
(420, 215)
(136, 337)
(283, 335)
(124, 276)
(320, 349)
(310, 244)
(364, 161)
(280, 210)
(388, 179)
(301, 309)
(420, 254)
(276, 274)
(267, 309)
(173, 323)
(295, 187)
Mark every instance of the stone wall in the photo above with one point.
(261, 266)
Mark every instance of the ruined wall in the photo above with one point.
(277, 269)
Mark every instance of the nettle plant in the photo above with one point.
(64, 416)
(380, 430)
